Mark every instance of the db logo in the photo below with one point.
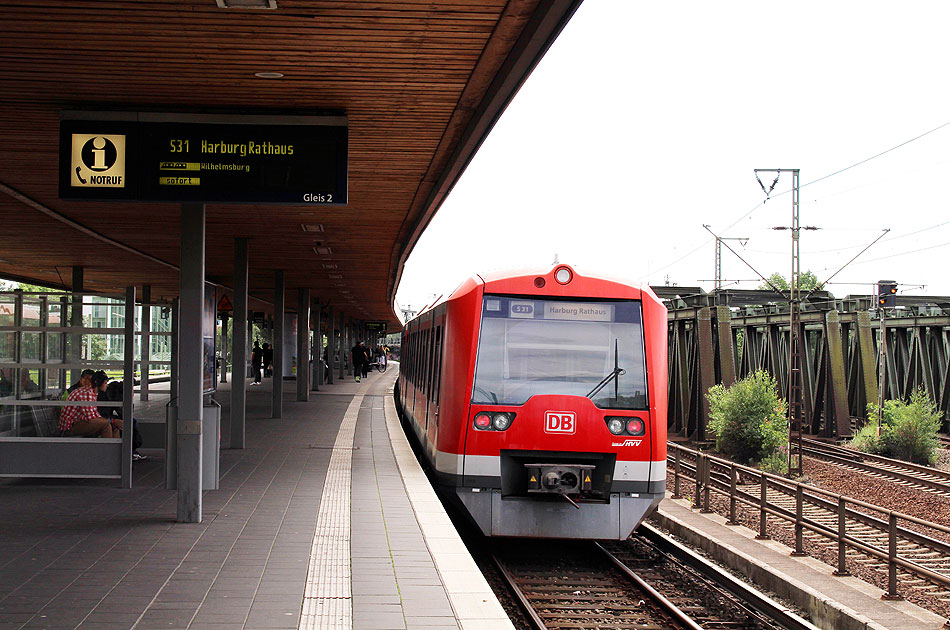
(560, 422)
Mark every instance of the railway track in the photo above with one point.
(913, 475)
(868, 532)
(648, 581)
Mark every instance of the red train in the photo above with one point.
(539, 400)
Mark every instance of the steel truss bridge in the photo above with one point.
(716, 338)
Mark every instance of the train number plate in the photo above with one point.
(560, 422)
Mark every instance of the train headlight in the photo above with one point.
(563, 275)
(501, 421)
(615, 425)
(635, 426)
(485, 421)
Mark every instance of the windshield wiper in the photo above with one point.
(494, 398)
(614, 374)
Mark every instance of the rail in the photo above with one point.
(722, 476)
(925, 477)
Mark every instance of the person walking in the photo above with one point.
(257, 360)
(268, 360)
(358, 357)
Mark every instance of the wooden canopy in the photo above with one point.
(421, 83)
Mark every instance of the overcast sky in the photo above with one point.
(646, 120)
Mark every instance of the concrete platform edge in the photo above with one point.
(470, 596)
(825, 613)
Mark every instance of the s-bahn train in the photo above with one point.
(539, 401)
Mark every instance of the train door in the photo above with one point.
(420, 408)
(435, 375)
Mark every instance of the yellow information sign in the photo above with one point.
(179, 166)
(179, 181)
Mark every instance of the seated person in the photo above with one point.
(113, 393)
(27, 384)
(84, 420)
(86, 374)
(6, 387)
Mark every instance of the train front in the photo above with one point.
(566, 435)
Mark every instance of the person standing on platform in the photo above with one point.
(367, 358)
(268, 360)
(358, 356)
(257, 359)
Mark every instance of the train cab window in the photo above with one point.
(530, 346)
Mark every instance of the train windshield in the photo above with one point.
(530, 346)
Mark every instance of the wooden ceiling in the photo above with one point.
(421, 82)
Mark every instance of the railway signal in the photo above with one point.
(887, 293)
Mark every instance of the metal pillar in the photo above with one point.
(76, 320)
(250, 340)
(727, 361)
(224, 347)
(866, 349)
(343, 347)
(303, 345)
(707, 368)
(146, 339)
(191, 349)
(277, 343)
(239, 345)
(171, 419)
(316, 376)
(796, 417)
(717, 278)
(346, 344)
(128, 387)
(836, 400)
(331, 344)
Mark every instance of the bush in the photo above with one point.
(910, 429)
(867, 439)
(748, 418)
(777, 462)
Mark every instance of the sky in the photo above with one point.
(646, 120)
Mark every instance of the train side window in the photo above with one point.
(415, 353)
(438, 358)
(427, 362)
(430, 363)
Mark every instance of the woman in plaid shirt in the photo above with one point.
(85, 421)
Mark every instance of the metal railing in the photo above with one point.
(711, 474)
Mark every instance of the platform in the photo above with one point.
(833, 603)
(324, 521)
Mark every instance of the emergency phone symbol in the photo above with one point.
(560, 422)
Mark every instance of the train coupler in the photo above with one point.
(559, 478)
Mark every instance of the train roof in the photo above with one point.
(502, 275)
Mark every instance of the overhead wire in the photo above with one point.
(839, 171)
(815, 181)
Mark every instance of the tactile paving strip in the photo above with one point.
(328, 602)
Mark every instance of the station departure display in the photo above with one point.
(204, 158)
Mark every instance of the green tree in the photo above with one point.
(11, 285)
(806, 282)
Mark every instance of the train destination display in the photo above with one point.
(197, 159)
